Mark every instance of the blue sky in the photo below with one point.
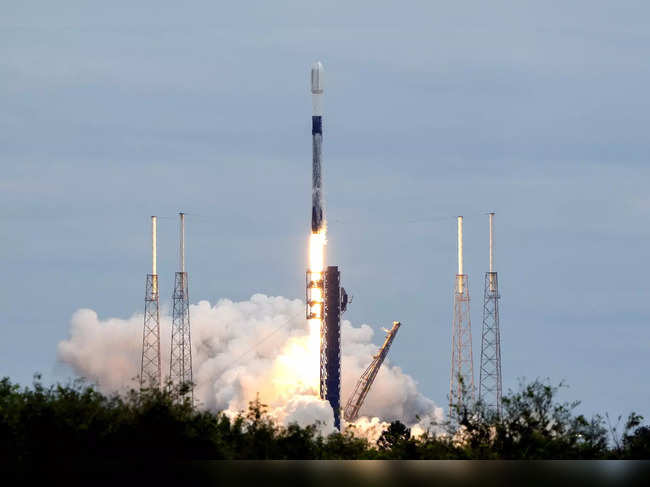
(537, 111)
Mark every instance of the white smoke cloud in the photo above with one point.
(241, 349)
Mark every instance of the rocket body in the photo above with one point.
(315, 276)
(317, 204)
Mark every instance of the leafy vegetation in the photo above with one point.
(75, 421)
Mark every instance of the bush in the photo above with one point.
(75, 422)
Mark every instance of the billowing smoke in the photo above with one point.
(241, 349)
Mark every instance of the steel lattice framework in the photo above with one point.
(461, 387)
(489, 391)
(150, 371)
(362, 388)
(180, 366)
(330, 344)
(180, 369)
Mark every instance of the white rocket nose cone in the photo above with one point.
(317, 77)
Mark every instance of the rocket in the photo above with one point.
(317, 204)
(323, 283)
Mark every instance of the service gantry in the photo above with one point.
(355, 401)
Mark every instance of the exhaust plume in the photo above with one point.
(240, 349)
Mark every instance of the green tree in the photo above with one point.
(396, 442)
(345, 446)
(76, 424)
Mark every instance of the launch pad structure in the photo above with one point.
(364, 384)
(461, 384)
(490, 387)
(180, 366)
(326, 301)
(330, 344)
(150, 368)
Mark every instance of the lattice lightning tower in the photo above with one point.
(180, 368)
(461, 384)
(150, 372)
(489, 390)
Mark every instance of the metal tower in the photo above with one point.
(355, 402)
(489, 389)
(180, 368)
(150, 372)
(330, 344)
(461, 384)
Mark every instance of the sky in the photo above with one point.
(112, 112)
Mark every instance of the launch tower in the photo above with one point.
(180, 367)
(330, 344)
(150, 372)
(461, 387)
(489, 389)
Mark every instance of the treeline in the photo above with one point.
(76, 422)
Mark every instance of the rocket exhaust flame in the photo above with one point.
(315, 298)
